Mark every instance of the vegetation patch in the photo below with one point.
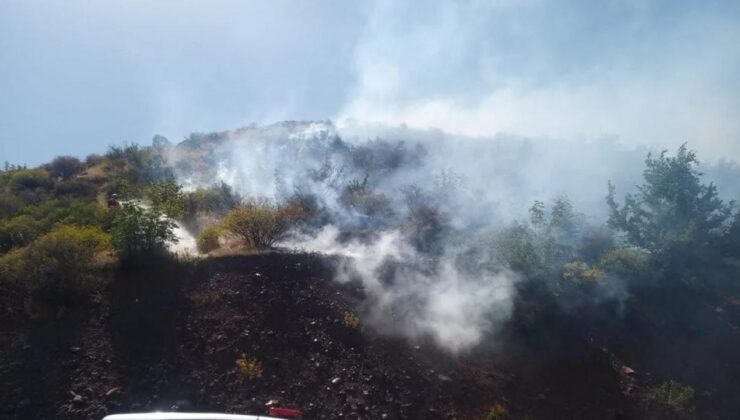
(250, 367)
(672, 394)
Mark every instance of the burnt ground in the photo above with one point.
(168, 338)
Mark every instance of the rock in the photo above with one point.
(628, 370)
(77, 399)
(335, 380)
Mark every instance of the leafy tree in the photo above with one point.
(65, 167)
(260, 223)
(673, 212)
(219, 199)
(168, 198)
(537, 213)
(140, 233)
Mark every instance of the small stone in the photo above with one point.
(335, 380)
(628, 370)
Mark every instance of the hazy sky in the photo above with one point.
(76, 76)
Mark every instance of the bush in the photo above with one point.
(123, 188)
(10, 204)
(78, 187)
(207, 239)
(93, 159)
(250, 367)
(68, 260)
(65, 167)
(260, 223)
(168, 198)
(624, 262)
(29, 180)
(140, 233)
(351, 320)
(217, 199)
(579, 271)
(12, 265)
(17, 232)
(65, 211)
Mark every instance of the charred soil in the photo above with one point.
(236, 333)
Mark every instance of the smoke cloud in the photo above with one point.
(452, 300)
(417, 216)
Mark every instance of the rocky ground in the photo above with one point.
(238, 333)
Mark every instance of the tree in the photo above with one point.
(168, 198)
(140, 233)
(65, 167)
(260, 223)
(673, 212)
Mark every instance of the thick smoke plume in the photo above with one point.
(415, 214)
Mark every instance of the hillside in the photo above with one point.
(154, 343)
(361, 279)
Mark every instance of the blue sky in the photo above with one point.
(78, 76)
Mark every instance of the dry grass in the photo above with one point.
(250, 367)
(351, 320)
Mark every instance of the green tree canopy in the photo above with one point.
(672, 209)
(140, 233)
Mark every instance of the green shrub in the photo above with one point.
(76, 187)
(168, 198)
(207, 239)
(69, 260)
(10, 204)
(93, 159)
(123, 188)
(250, 367)
(624, 262)
(580, 272)
(29, 179)
(17, 232)
(65, 167)
(12, 265)
(260, 223)
(140, 233)
(65, 211)
(218, 199)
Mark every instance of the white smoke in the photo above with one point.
(453, 304)
(455, 290)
